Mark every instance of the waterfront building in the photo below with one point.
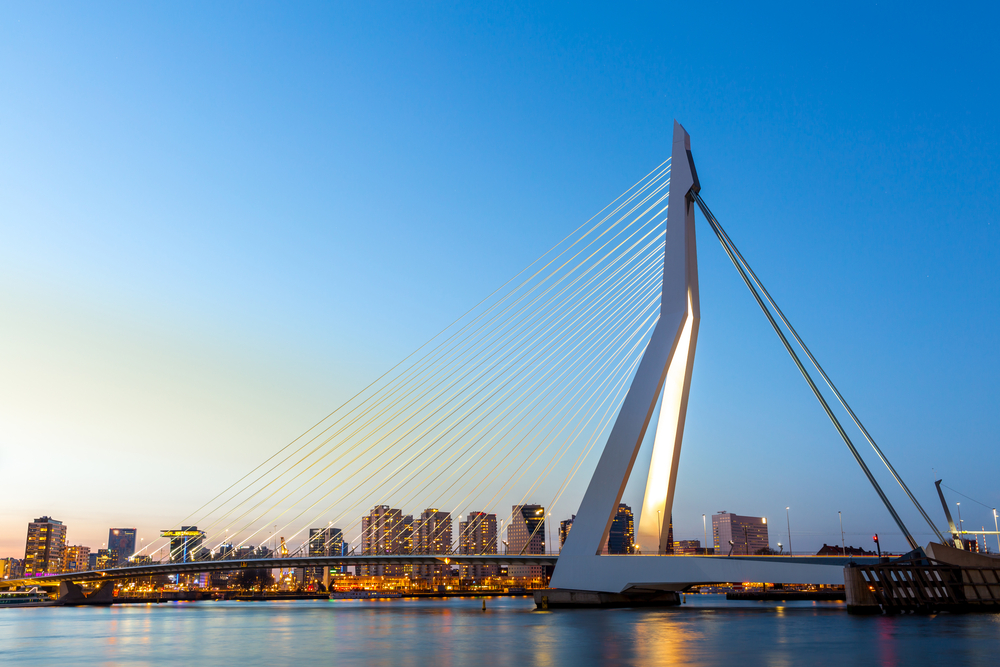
(106, 558)
(185, 544)
(77, 559)
(837, 550)
(747, 534)
(691, 548)
(92, 561)
(407, 545)
(526, 535)
(432, 535)
(477, 535)
(11, 568)
(621, 536)
(122, 541)
(45, 548)
(564, 528)
(382, 532)
(324, 542)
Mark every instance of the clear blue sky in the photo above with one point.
(219, 220)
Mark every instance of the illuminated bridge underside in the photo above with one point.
(196, 567)
(687, 570)
(664, 370)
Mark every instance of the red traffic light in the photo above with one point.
(875, 537)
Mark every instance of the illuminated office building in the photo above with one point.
(526, 535)
(45, 549)
(747, 534)
(324, 542)
(621, 536)
(477, 535)
(106, 558)
(185, 544)
(564, 528)
(122, 542)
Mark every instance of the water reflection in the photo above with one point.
(452, 633)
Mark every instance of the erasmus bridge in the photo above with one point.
(588, 350)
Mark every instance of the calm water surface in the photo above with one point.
(445, 633)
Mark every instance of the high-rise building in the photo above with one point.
(122, 542)
(744, 535)
(324, 542)
(45, 549)
(383, 532)
(432, 535)
(526, 535)
(477, 535)
(77, 559)
(621, 536)
(185, 544)
(407, 544)
(564, 528)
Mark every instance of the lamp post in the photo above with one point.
(704, 525)
(780, 548)
(843, 545)
(960, 526)
(996, 529)
(659, 540)
(788, 521)
(548, 528)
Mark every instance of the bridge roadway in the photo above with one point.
(199, 566)
(194, 567)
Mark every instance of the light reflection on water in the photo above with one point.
(452, 633)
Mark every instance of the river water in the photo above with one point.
(707, 630)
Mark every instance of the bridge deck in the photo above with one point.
(194, 567)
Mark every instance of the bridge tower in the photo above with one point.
(664, 371)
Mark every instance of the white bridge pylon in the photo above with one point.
(665, 368)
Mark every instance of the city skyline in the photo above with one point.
(188, 296)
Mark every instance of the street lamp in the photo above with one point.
(789, 522)
(843, 545)
(960, 526)
(780, 548)
(704, 525)
(996, 529)
(659, 540)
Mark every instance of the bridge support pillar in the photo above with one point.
(859, 596)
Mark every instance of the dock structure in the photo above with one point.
(936, 579)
